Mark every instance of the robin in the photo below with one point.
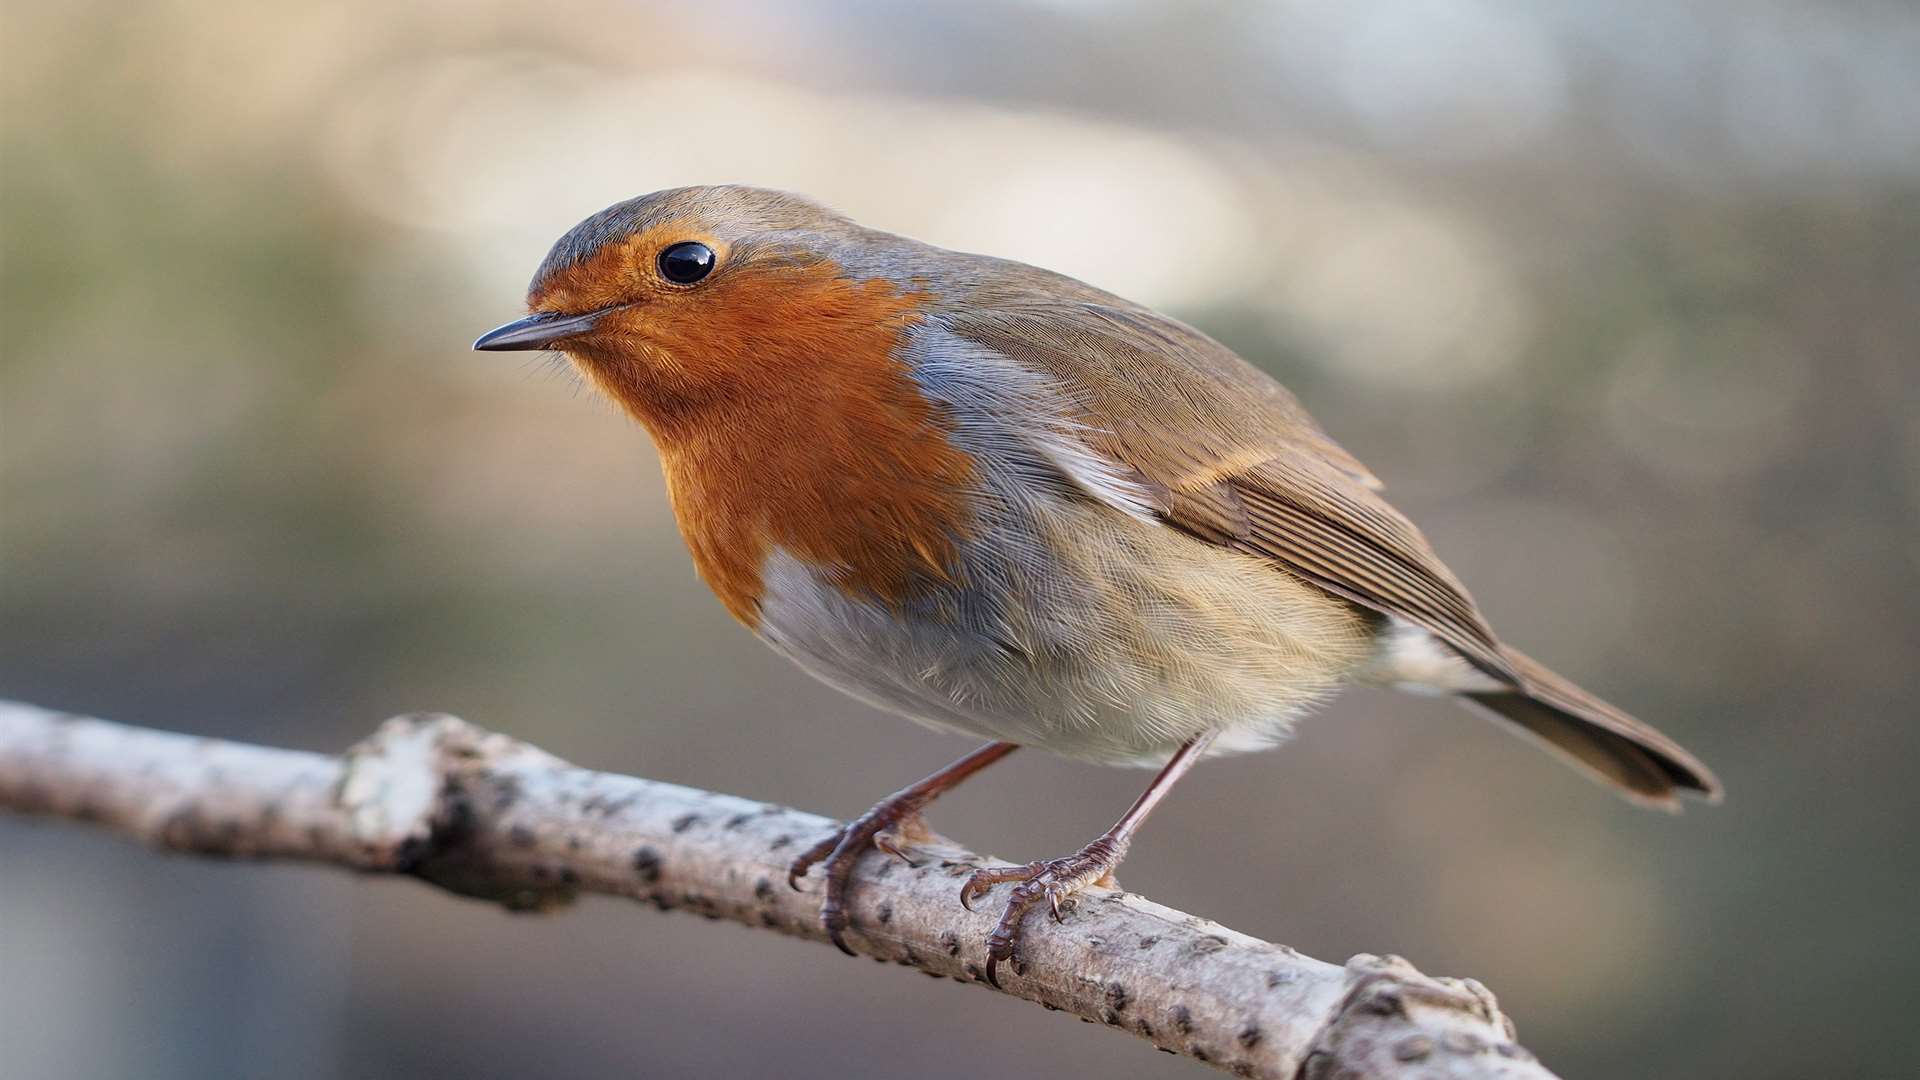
(1007, 504)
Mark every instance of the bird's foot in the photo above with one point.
(1056, 881)
(894, 826)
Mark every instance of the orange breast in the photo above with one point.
(785, 418)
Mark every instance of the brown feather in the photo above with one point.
(1649, 767)
(1238, 460)
(1231, 458)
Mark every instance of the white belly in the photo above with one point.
(1084, 632)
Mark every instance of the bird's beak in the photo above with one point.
(536, 331)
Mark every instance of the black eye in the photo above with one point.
(686, 262)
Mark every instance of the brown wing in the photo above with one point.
(1234, 459)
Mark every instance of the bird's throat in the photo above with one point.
(815, 441)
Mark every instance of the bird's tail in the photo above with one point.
(1647, 767)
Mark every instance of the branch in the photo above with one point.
(484, 815)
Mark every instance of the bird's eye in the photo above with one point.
(686, 262)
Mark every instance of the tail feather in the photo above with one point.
(1646, 766)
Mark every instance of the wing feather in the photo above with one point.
(1233, 458)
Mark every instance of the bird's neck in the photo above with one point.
(828, 453)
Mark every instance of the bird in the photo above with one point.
(1006, 504)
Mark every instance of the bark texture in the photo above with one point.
(487, 816)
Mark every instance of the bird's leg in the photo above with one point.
(1056, 880)
(894, 818)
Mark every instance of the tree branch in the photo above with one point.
(484, 815)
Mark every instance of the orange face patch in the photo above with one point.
(783, 415)
(621, 273)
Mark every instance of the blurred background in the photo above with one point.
(1623, 301)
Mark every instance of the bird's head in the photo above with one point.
(693, 295)
(762, 339)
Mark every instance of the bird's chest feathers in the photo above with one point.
(834, 458)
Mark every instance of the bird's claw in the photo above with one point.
(835, 922)
(982, 881)
(1056, 880)
(804, 861)
(882, 827)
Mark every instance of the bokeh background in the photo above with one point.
(1623, 300)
